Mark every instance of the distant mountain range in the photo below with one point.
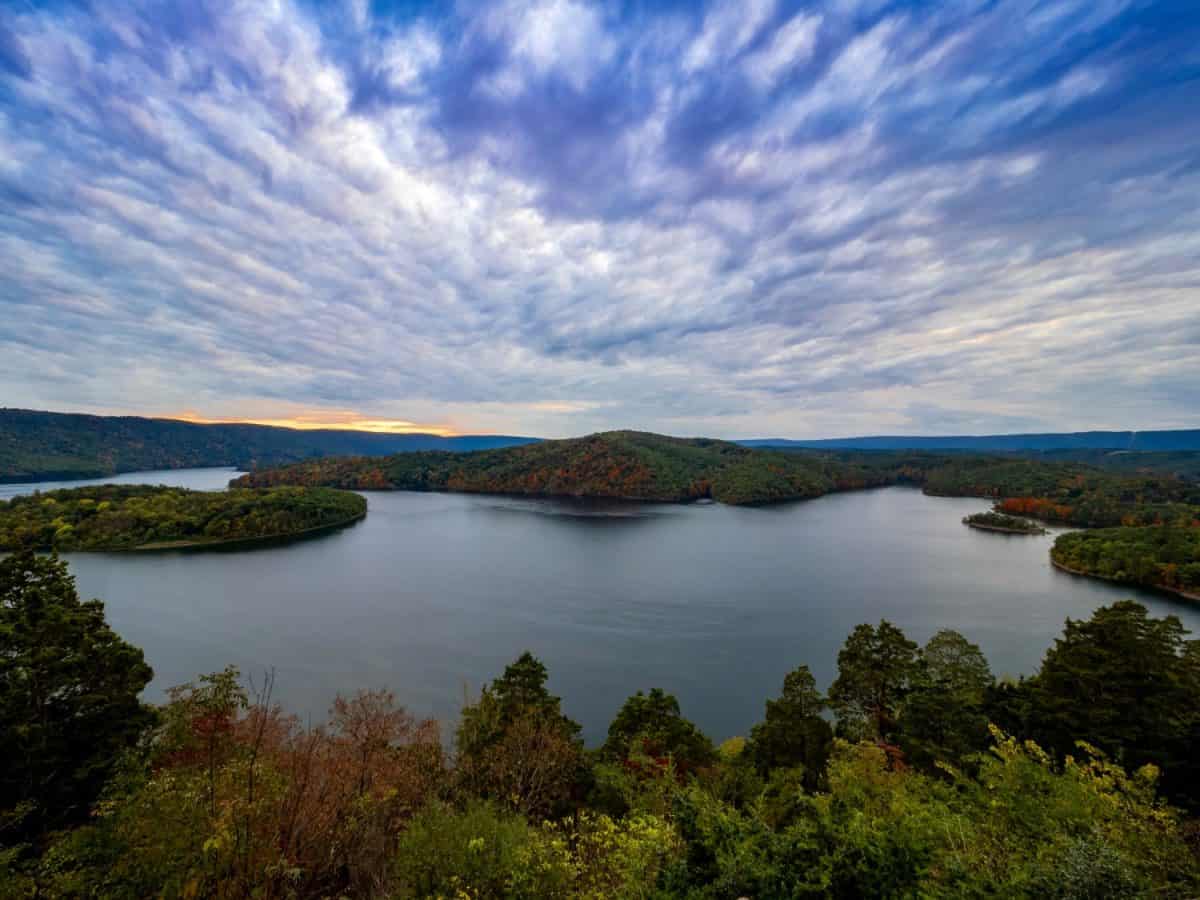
(1149, 441)
(37, 445)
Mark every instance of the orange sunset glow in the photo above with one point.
(326, 419)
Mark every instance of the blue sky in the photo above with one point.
(550, 218)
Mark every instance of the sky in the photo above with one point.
(552, 217)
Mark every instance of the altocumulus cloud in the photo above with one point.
(553, 217)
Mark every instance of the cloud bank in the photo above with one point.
(554, 217)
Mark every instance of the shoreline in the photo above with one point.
(232, 543)
(220, 544)
(1174, 592)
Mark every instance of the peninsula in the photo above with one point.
(143, 517)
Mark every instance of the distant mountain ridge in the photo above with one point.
(36, 445)
(1141, 441)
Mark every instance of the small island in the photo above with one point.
(1004, 524)
(144, 517)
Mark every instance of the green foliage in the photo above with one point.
(944, 716)
(484, 852)
(649, 731)
(481, 852)
(876, 669)
(1022, 827)
(129, 517)
(793, 732)
(1124, 682)
(68, 698)
(516, 747)
(1162, 556)
(1072, 493)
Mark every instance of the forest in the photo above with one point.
(140, 517)
(1165, 557)
(915, 773)
(1068, 493)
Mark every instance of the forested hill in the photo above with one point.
(38, 445)
(627, 464)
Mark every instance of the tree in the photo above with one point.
(944, 717)
(652, 725)
(516, 746)
(1128, 684)
(876, 668)
(793, 732)
(522, 690)
(68, 697)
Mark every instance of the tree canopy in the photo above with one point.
(130, 517)
(69, 703)
(226, 795)
(876, 671)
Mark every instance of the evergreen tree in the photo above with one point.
(793, 733)
(652, 724)
(68, 698)
(944, 716)
(516, 745)
(876, 668)
(1126, 683)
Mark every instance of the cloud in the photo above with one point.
(548, 217)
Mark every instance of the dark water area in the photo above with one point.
(433, 594)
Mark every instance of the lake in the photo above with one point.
(433, 594)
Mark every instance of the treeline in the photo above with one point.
(1164, 557)
(915, 774)
(36, 446)
(129, 517)
(1069, 493)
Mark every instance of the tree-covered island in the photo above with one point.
(1005, 524)
(144, 517)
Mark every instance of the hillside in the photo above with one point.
(44, 445)
(142, 517)
(627, 464)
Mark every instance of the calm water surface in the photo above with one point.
(434, 593)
